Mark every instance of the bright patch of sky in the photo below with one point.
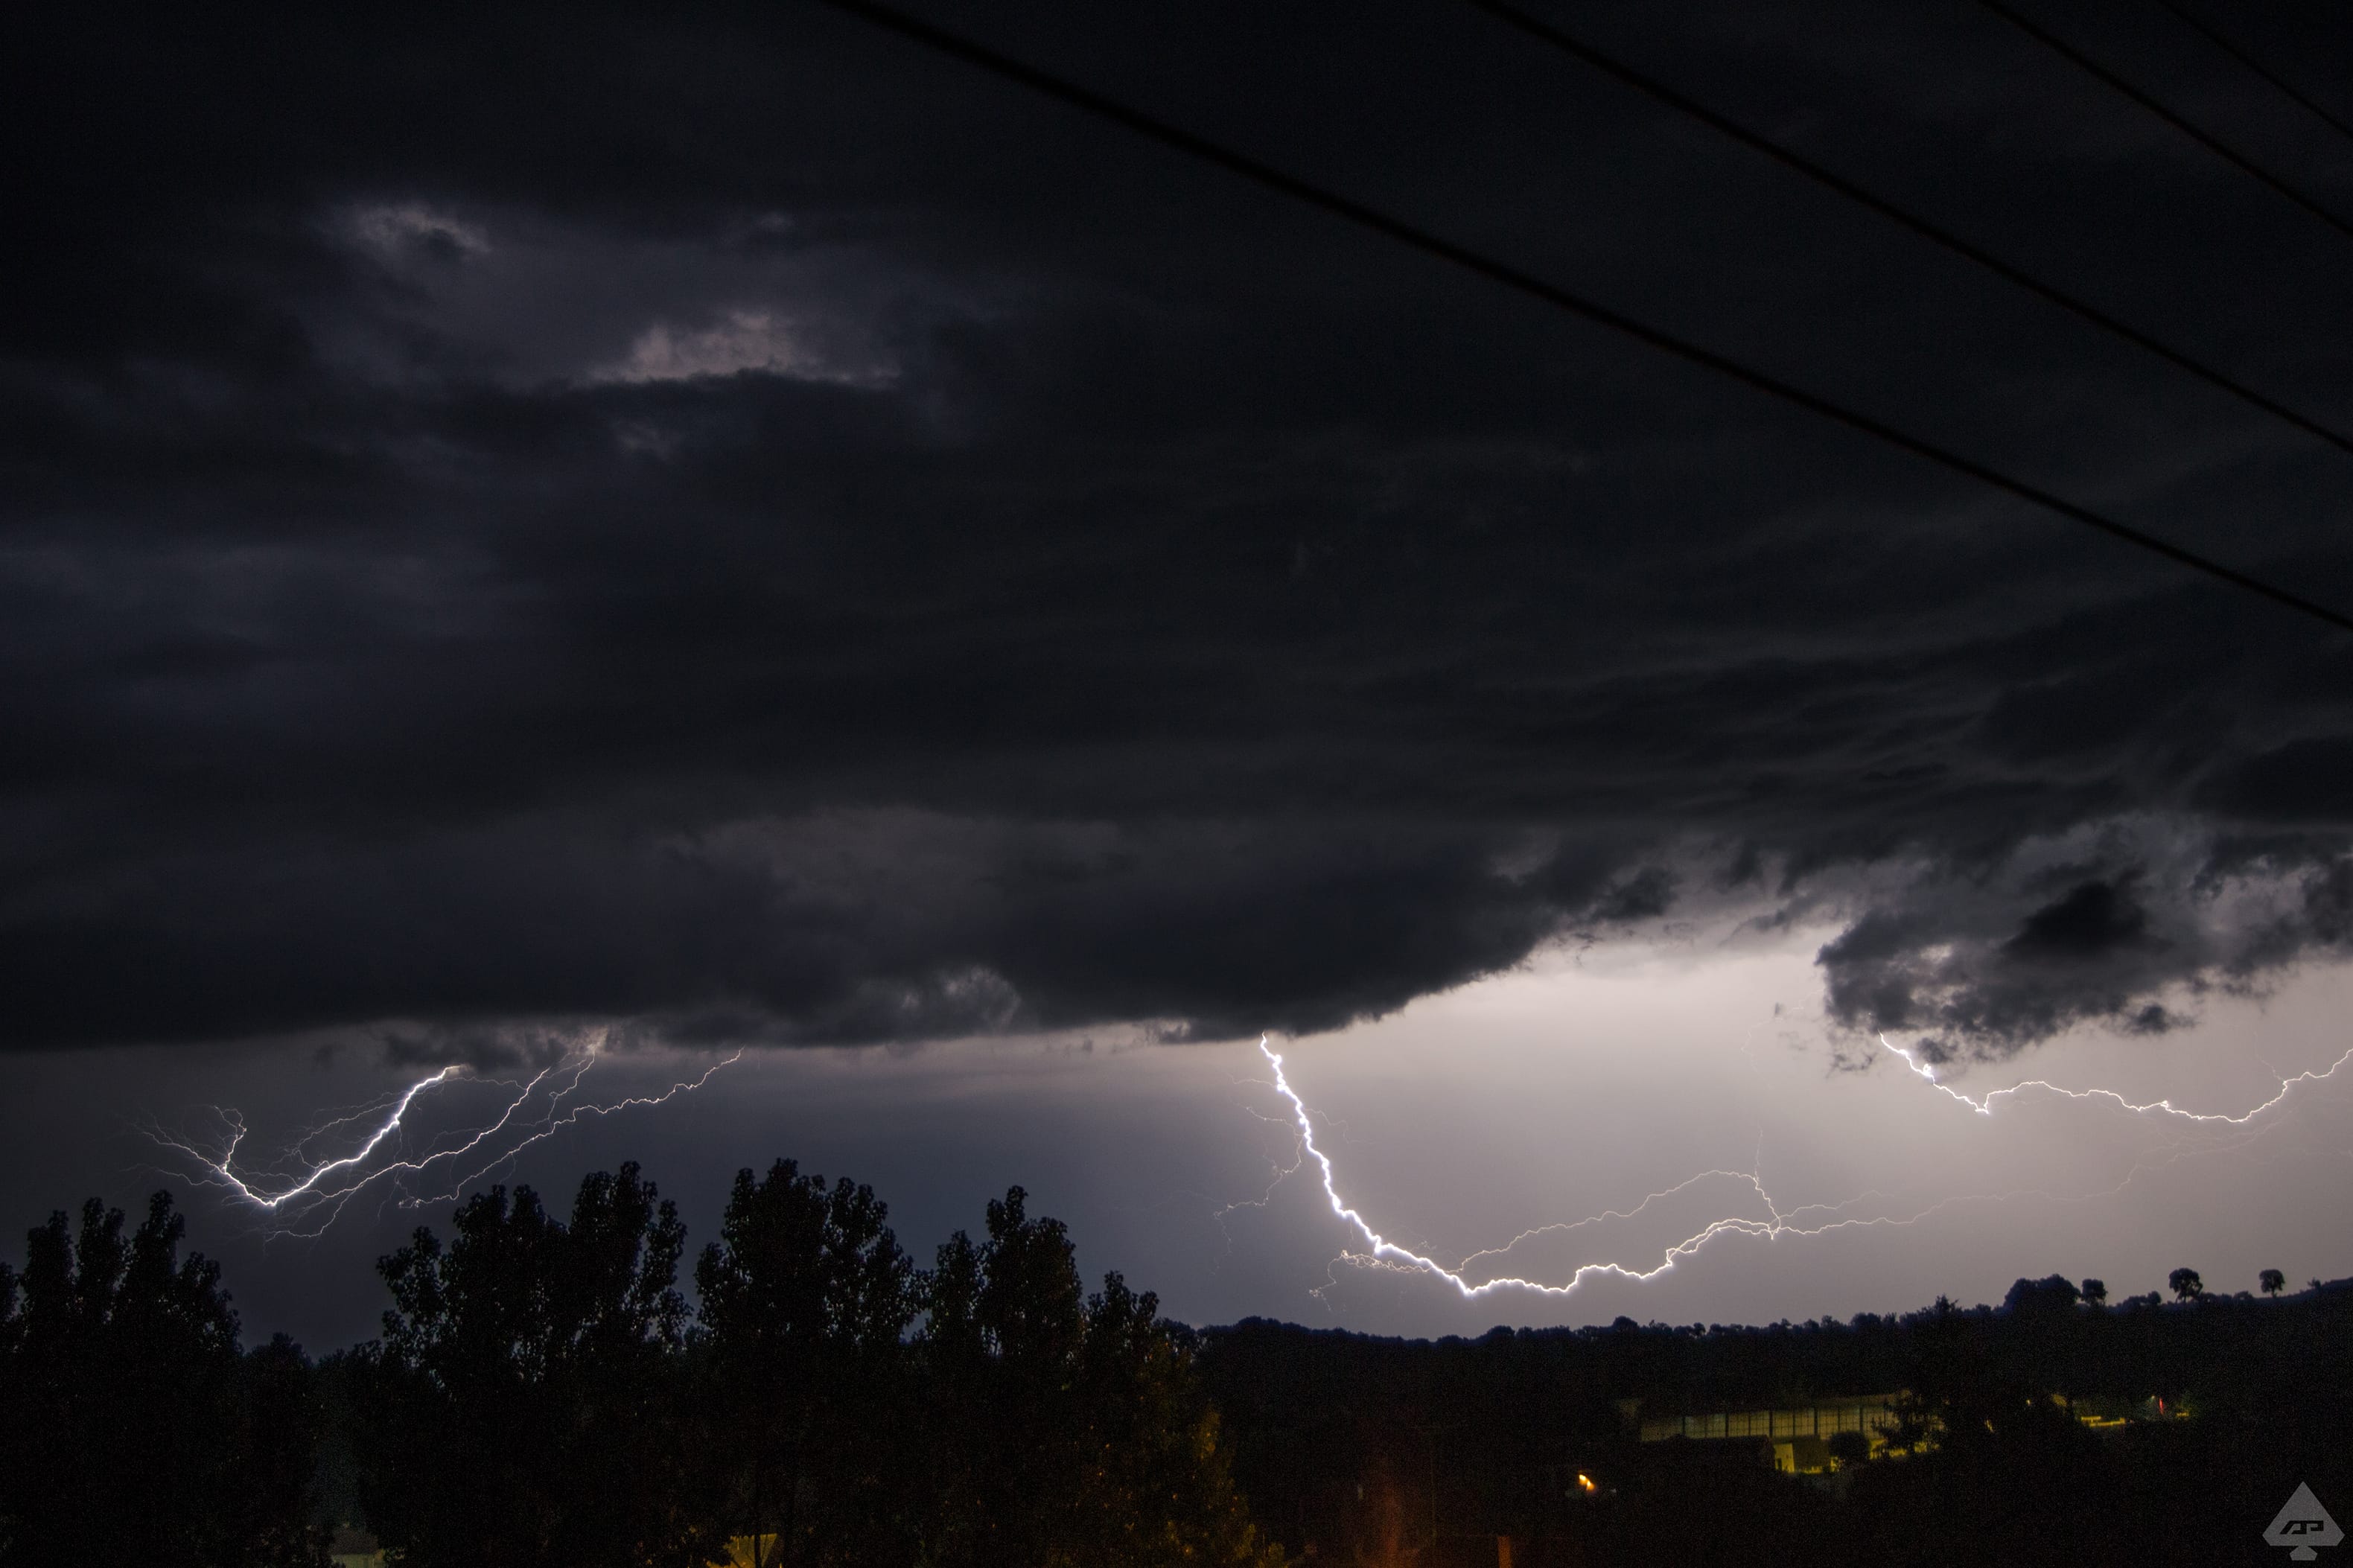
(1577, 1086)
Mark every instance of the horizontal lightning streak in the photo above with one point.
(1385, 1254)
(2164, 1107)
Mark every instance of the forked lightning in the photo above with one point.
(307, 1199)
(1807, 1220)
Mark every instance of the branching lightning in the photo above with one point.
(390, 1159)
(1984, 1107)
(1774, 1222)
(1385, 1253)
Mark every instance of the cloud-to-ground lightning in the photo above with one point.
(1383, 1252)
(410, 1172)
(1776, 1221)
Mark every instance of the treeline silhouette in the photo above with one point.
(542, 1393)
(1378, 1448)
(131, 1427)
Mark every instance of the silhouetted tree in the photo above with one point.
(1004, 1320)
(522, 1407)
(2185, 1284)
(282, 1423)
(1066, 1430)
(2095, 1293)
(806, 1297)
(2273, 1281)
(2049, 1296)
(1155, 1487)
(132, 1430)
(2001, 1470)
(2045, 1329)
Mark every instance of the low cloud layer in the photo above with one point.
(745, 532)
(2128, 927)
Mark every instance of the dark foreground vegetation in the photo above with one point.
(543, 1394)
(2184, 1429)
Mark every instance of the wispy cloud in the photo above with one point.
(742, 342)
(409, 229)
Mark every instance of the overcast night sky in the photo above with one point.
(726, 529)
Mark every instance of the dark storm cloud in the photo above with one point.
(723, 523)
(2125, 927)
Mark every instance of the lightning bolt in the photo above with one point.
(306, 1200)
(1805, 1220)
(1385, 1253)
(2163, 1107)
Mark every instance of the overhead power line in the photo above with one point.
(2222, 41)
(1788, 157)
(957, 47)
(2205, 139)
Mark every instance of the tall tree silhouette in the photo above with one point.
(522, 1405)
(1068, 1430)
(1004, 1322)
(282, 1422)
(1156, 1487)
(2185, 1284)
(2273, 1281)
(805, 1300)
(132, 1430)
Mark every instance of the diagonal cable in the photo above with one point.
(2205, 139)
(1787, 157)
(957, 47)
(2222, 41)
